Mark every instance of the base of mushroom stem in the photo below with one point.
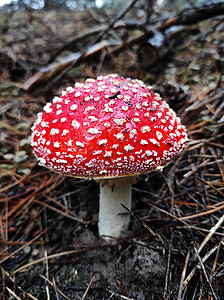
(113, 217)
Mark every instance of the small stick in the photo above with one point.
(183, 276)
(140, 221)
(74, 218)
(88, 287)
(18, 287)
(13, 294)
(216, 260)
(205, 273)
(47, 274)
(58, 255)
(55, 289)
(54, 286)
(168, 268)
(21, 248)
(48, 257)
(211, 233)
(207, 255)
(119, 296)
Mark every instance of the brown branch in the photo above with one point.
(195, 15)
(187, 17)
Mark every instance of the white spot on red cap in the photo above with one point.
(103, 172)
(47, 108)
(143, 142)
(54, 131)
(102, 142)
(75, 124)
(97, 152)
(159, 135)
(92, 118)
(90, 80)
(108, 154)
(42, 160)
(80, 144)
(124, 108)
(108, 108)
(44, 124)
(77, 94)
(70, 89)
(119, 136)
(56, 99)
(69, 143)
(61, 161)
(145, 129)
(99, 89)
(128, 148)
(111, 102)
(115, 146)
(154, 142)
(65, 131)
(88, 108)
(120, 122)
(57, 145)
(159, 114)
(93, 130)
(148, 152)
(113, 91)
(136, 120)
(154, 153)
(79, 84)
(73, 107)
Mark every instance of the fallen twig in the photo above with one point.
(54, 286)
(186, 17)
(88, 287)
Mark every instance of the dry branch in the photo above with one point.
(45, 74)
(151, 50)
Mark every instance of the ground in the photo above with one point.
(50, 248)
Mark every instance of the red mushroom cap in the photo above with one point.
(106, 128)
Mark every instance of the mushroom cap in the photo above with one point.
(106, 128)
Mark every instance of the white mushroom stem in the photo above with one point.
(113, 218)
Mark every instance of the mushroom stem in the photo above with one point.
(113, 218)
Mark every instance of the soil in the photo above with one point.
(130, 267)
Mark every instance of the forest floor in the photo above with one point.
(49, 243)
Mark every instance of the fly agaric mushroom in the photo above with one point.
(109, 129)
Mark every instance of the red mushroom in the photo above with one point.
(109, 129)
